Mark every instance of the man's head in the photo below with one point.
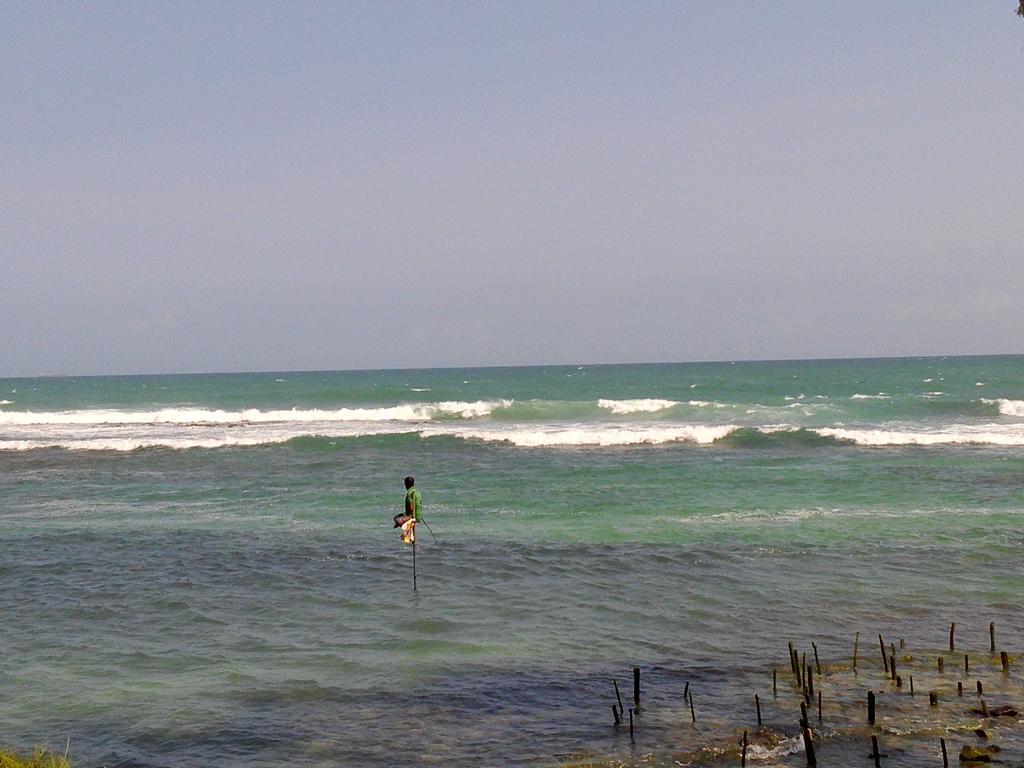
(410, 481)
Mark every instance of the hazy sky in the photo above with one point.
(269, 186)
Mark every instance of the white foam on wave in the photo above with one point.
(879, 396)
(6, 402)
(568, 435)
(408, 412)
(1007, 407)
(984, 434)
(646, 405)
(933, 394)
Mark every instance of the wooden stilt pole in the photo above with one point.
(414, 557)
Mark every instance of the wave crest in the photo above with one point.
(1006, 406)
(411, 412)
(647, 405)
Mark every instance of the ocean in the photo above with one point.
(202, 569)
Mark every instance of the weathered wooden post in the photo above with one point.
(979, 688)
(817, 662)
(636, 689)
(885, 659)
(933, 698)
(757, 706)
(945, 757)
(631, 725)
(809, 747)
(856, 641)
(693, 715)
(941, 663)
(819, 706)
(775, 683)
(874, 751)
(992, 637)
(871, 707)
(743, 758)
(967, 664)
(617, 696)
(1004, 659)
(615, 714)
(952, 629)
(959, 688)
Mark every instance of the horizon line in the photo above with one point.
(507, 366)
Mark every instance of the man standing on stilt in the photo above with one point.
(413, 511)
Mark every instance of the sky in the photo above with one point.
(241, 186)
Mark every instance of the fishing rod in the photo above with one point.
(424, 521)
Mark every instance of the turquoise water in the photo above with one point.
(202, 569)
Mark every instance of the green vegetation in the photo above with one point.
(41, 758)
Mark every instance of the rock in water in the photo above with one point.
(969, 754)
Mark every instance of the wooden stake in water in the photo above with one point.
(819, 706)
(809, 747)
(885, 659)
(615, 714)
(856, 641)
(952, 629)
(757, 706)
(636, 689)
(874, 751)
(693, 715)
(686, 691)
(941, 664)
(631, 724)
(817, 663)
(945, 757)
(775, 683)
(959, 688)
(933, 698)
(617, 696)
(1004, 659)
(743, 758)
(992, 637)
(967, 664)
(414, 557)
(911, 685)
(892, 665)
(979, 688)
(871, 707)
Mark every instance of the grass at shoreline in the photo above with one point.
(41, 758)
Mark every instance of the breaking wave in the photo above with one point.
(181, 437)
(623, 407)
(204, 416)
(1007, 407)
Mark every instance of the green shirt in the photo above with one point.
(414, 501)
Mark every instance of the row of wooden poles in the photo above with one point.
(803, 676)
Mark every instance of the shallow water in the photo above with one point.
(250, 605)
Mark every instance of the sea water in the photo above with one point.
(202, 569)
